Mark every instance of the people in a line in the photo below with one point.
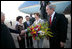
(29, 40)
(58, 25)
(37, 21)
(19, 26)
(6, 40)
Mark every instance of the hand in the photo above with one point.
(19, 37)
(47, 37)
(22, 32)
(61, 44)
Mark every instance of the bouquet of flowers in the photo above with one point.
(39, 31)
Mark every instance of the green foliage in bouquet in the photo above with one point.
(39, 31)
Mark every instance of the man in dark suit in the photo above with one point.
(6, 40)
(29, 39)
(32, 19)
(58, 25)
(43, 8)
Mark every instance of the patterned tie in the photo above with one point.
(50, 20)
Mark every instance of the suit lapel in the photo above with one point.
(54, 19)
(26, 24)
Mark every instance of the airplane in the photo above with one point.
(31, 7)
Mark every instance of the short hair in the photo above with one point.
(27, 16)
(37, 14)
(51, 6)
(17, 19)
(2, 14)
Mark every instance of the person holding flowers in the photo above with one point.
(36, 22)
(38, 30)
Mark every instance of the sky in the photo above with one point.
(10, 9)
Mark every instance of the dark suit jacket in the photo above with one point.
(59, 27)
(45, 3)
(32, 20)
(14, 31)
(26, 25)
(6, 40)
(43, 9)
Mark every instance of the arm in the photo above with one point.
(14, 31)
(24, 31)
(63, 30)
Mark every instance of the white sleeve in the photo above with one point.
(42, 21)
(25, 30)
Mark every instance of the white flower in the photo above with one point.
(36, 29)
(41, 32)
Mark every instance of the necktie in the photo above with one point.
(50, 19)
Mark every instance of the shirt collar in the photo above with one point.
(53, 14)
(27, 21)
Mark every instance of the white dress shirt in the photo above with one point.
(28, 22)
(52, 16)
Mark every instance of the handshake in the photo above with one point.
(22, 32)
